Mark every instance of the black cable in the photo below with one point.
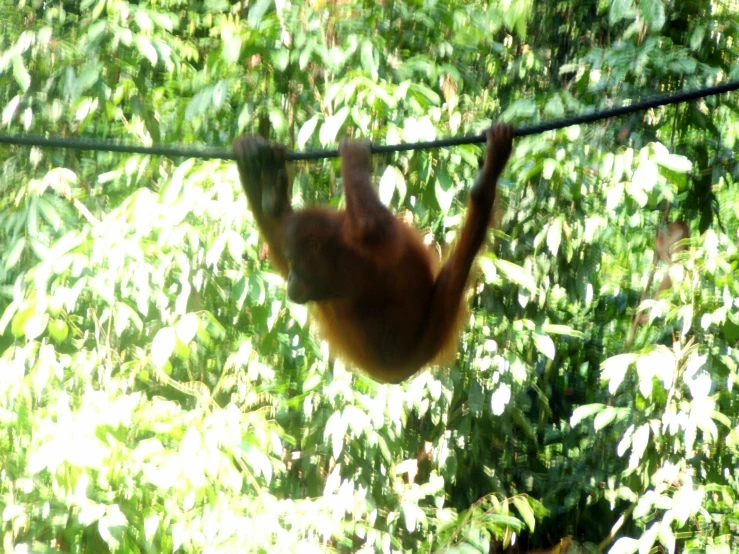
(223, 154)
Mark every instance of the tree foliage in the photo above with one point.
(159, 394)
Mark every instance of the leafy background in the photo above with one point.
(159, 394)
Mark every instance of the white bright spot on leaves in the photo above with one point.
(582, 412)
(516, 274)
(604, 418)
(646, 175)
(162, 346)
(674, 162)
(187, 326)
(548, 168)
(639, 445)
(391, 180)
(614, 370)
(35, 325)
(330, 128)
(554, 236)
(685, 314)
(646, 541)
(659, 363)
(625, 442)
(151, 524)
(614, 196)
(306, 131)
(545, 345)
(696, 362)
(624, 545)
(500, 398)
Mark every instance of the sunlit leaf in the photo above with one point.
(583, 412)
(516, 274)
(639, 444)
(147, 50)
(619, 10)
(444, 191)
(525, 511)
(653, 12)
(331, 127)
(14, 254)
(624, 545)
(21, 317)
(369, 58)
(674, 162)
(10, 109)
(392, 179)
(696, 38)
(58, 330)
(564, 330)
(187, 327)
(162, 347)
(22, 77)
(614, 370)
(35, 325)
(604, 418)
(554, 236)
(306, 131)
(544, 344)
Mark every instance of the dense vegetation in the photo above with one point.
(159, 394)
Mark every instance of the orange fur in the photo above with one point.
(379, 296)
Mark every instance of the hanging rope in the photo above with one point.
(223, 154)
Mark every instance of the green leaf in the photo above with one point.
(583, 412)
(614, 370)
(721, 418)
(525, 510)
(674, 162)
(9, 110)
(369, 58)
(444, 191)
(392, 179)
(554, 236)
(604, 418)
(619, 9)
(8, 315)
(563, 330)
(306, 131)
(624, 545)
(143, 20)
(232, 48)
(331, 127)
(516, 274)
(14, 255)
(520, 109)
(58, 330)
(696, 37)
(653, 12)
(639, 444)
(646, 175)
(163, 346)
(18, 327)
(49, 213)
(187, 327)
(200, 103)
(545, 345)
(21, 74)
(422, 91)
(667, 537)
(257, 11)
(147, 50)
(35, 326)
